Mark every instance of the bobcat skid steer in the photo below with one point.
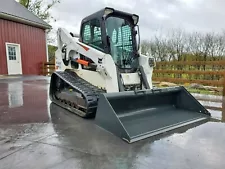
(102, 74)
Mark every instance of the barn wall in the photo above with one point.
(32, 43)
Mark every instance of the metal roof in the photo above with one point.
(12, 10)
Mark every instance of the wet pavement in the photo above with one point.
(34, 133)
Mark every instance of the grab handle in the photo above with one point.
(139, 91)
(156, 90)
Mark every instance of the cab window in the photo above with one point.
(91, 34)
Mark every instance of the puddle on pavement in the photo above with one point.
(26, 102)
(23, 103)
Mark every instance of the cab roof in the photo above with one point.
(100, 14)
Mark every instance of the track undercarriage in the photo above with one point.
(73, 93)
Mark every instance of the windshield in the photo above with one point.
(119, 32)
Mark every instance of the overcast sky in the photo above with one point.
(155, 15)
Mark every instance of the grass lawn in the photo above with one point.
(207, 92)
(193, 90)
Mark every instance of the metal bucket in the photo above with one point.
(136, 115)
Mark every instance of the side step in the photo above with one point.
(136, 115)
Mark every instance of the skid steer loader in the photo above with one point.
(102, 74)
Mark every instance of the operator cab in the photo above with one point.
(116, 33)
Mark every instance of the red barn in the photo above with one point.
(22, 40)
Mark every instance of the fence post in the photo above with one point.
(224, 84)
(223, 110)
(43, 68)
(223, 99)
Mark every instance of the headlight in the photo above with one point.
(151, 62)
(135, 18)
(108, 10)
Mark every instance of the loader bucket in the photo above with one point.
(136, 115)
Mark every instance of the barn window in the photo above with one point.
(12, 52)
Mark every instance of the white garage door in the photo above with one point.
(14, 63)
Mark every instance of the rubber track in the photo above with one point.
(88, 91)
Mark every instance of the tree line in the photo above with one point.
(186, 46)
